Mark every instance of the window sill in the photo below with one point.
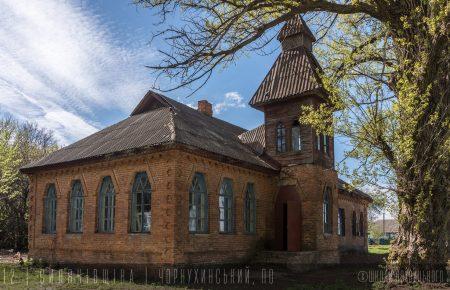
(74, 233)
(289, 153)
(227, 233)
(139, 233)
(199, 234)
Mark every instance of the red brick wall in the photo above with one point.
(170, 174)
(120, 246)
(287, 113)
(215, 247)
(349, 241)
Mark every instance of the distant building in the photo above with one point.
(389, 227)
(175, 185)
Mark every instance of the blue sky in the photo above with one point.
(77, 66)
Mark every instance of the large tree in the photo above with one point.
(20, 144)
(386, 68)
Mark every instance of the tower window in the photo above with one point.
(296, 138)
(281, 138)
(318, 142)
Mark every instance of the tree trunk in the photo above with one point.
(421, 244)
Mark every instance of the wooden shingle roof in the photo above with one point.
(156, 121)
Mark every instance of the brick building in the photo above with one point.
(175, 185)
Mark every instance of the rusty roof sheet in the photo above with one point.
(294, 26)
(165, 121)
(255, 138)
(292, 74)
(344, 188)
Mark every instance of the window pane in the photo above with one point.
(76, 208)
(106, 205)
(141, 203)
(198, 204)
(296, 142)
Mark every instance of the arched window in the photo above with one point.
(281, 138)
(327, 211)
(341, 222)
(226, 206)
(106, 204)
(50, 210)
(250, 209)
(141, 204)
(354, 222)
(361, 224)
(76, 208)
(198, 205)
(296, 138)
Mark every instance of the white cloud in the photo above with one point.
(231, 100)
(60, 66)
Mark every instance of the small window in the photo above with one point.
(341, 222)
(106, 206)
(296, 138)
(327, 209)
(326, 146)
(281, 138)
(354, 224)
(50, 210)
(361, 224)
(198, 205)
(76, 208)
(318, 142)
(141, 198)
(226, 206)
(250, 209)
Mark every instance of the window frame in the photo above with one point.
(296, 127)
(341, 222)
(326, 144)
(110, 198)
(281, 138)
(318, 138)
(226, 193)
(250, 209)
(50, 210)
(140, 179)
(76, 208)
(196, 196)
(327, 211)
(361, 224)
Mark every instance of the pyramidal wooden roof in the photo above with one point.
(156, 122)
(295, 25)
(292, 74)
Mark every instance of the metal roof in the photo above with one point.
(255, 138)
(295, 25)
(292, 74)
(345, 188)
(158, 120)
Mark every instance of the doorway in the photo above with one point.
(288, 220)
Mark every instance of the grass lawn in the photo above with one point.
(379, 249)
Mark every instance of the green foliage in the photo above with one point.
(19, 145)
